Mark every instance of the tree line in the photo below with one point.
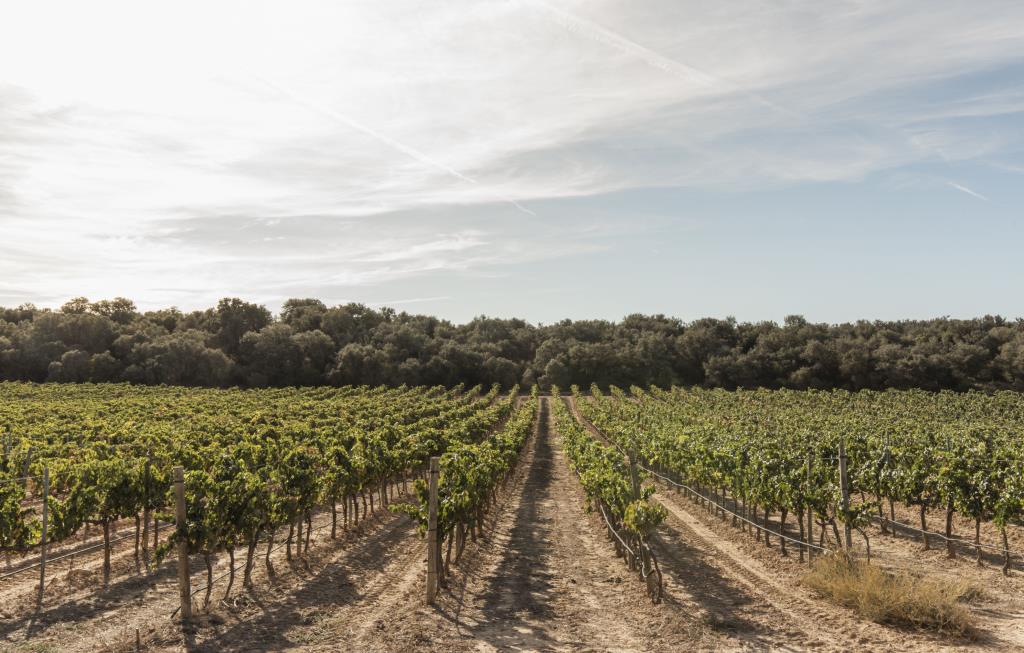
(238, 343)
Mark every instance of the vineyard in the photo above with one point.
(687, 518)
(778, 452)
(255, 460)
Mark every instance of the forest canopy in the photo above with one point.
(238, 343)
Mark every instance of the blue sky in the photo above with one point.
(840, 160)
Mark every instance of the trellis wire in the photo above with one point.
(644, 574)
(875, 518)
(758, 526)
(614, 532)
(740, 517)
(235, 570)
(20, 479)
(958, 540)
(65, 556)
(242, 565)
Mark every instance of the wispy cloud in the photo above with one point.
(965, 189)
(413, 300)
(684, 72)
(119, 172)
(390, 252)
(390, 142)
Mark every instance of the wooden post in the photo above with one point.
(433, 550)
(145, 513)
(184, 579)
(634, 479)
(886, 459)
(25, 468)
(42, 540)
(845, 491)
(810, 510)
(635, 484)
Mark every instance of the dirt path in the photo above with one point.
(785, 615)
(336, 601)
(73, 565)
(909, 521)
(546, 579)
(79, 615)
(998, 606)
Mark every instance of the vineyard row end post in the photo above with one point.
(634, 481)
(184, 579)
(42, 540)
(845, 491)
(433, 549)
(810, 509)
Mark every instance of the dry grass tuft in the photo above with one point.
(894, 598)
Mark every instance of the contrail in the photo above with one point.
(949, 164)
(383, 138)
(602, 34)
(414, 300)
(965, 189)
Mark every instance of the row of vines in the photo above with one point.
(472, 473)
(615, 488)
(776, 451)
(255, 460)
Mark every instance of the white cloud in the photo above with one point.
(123, 122)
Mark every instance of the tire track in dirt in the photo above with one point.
(693, 569)
(693, 574)
(331, 597)
(382, 593)
(81, 569)
(798, 623)
(95, 619)
(551, 579)
(545, 579)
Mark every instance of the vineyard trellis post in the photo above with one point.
(433, 550)
(886, 459)
(27, 466)
(810, 509)
(147, 470)
(42, 539)
(184, 580)
(844, 491)
(634, 481)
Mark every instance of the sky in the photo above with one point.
(545, 160)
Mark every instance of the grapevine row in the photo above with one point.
(471, 473)
(776, 451)
(616, 491)
(255, 460)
